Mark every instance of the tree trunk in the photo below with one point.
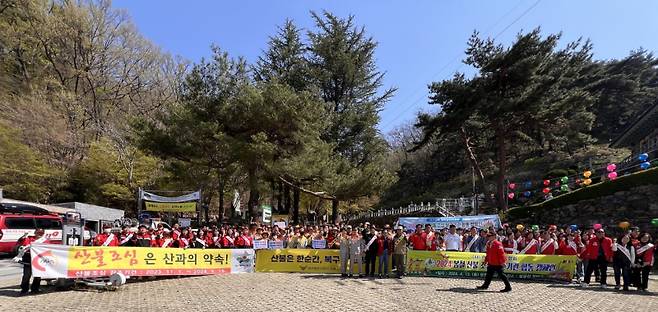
(286, 197)
(222, 186)
(501, 153)
(279, 197)
(476, 166)
(334, 211)
(295, 208)
(253, 193)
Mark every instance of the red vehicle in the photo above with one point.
(17, 221)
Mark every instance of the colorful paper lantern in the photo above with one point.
(528, 184)
(535, 227)
(587, 181)
(564, 188)
(547, 182)
(612, 175)
(645, 165)
(520, 227)
(527, 193)
(546, 190)
(597, 226)
(512, 186)
(611, 167)
(643, 157)
(587, 174)
(573, 227)
(564, 180)
(654, 222)
(624, 224)
(510, 195)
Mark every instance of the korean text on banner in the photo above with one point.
(298, 260)
(260, 244)
(172, 207)
(471, 264)
(481, 221)
(57, 261)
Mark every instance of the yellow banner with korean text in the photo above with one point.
(55, 261)
(470, 264)
(298, 260)
(171, 207)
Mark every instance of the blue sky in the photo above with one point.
(419, 41)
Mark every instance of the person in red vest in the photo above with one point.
(548, 244)
(495, 260)
(166, 241)
(573, 247)
(183, 239)
(530, 245)
(25, 257)
(510, 244)
(599, 253)
(107, 238)
(418, 239)
(644, 260)
(245, 240)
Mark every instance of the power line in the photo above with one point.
(414, 103)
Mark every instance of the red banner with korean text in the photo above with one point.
(55, 261)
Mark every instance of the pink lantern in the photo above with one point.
(597, 226)
(612, 175)
(512, 186)
(611, 167)
(510, 195)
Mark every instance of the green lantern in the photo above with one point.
(535, 227)
(654, 222)
(564, 188)
(564, 180)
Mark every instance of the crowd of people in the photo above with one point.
(631, 253)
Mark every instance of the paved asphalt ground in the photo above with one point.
(323, 293)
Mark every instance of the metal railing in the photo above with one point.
(448, 207)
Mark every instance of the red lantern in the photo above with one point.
(547, 182)
(546, 190)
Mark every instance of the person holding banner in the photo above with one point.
(26, 258)
(245, 240)
(623, 259)
(495, 260)
(453, 240)
(127, 237)
(107, 238)
(644, 260)
(599, 253)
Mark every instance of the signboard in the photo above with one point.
(275, 244)
(470, 264)
(178, 199)
(260, 244)
(171, 207)
(185, 222)
(267, 214)
(319, 244)
(464, 222)
(298, 260)
(57, 261)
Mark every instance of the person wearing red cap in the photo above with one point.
(495, 260)
(107, 238)
(599, 252)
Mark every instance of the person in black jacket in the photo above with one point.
(623, 259)
(371, 250)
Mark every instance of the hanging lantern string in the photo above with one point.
(577, 175)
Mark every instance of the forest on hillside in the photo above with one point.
(91, 110)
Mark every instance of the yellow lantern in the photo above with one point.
(624, 224)
(519, 227)
(587, 181)
(587, 174)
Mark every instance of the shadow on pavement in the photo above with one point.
(605, 290)
(464, 290)
(391, 281)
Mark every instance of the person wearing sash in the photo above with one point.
(244, 240)
(470, 241)
(635, 271)
(357, 251)
(644, 260)
(418, 239)
(143, 238)
(167, 241)
(548, 244)
(623, 259)
(370, 250)
(599, 253)
(25, 258)
(399, 251)
(510, 245)
(530, 245)
(570, 247)
(107, 238)
(183, 241)
(127, 237)
(343, 241)
(495, 260)
(175, 232)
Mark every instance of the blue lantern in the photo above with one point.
(528, 184)
(573, 227)
(643, 157)
(645, 165)
(527, 193)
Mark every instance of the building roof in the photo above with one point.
(93, 212)
(639, 129)
(50, 208)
